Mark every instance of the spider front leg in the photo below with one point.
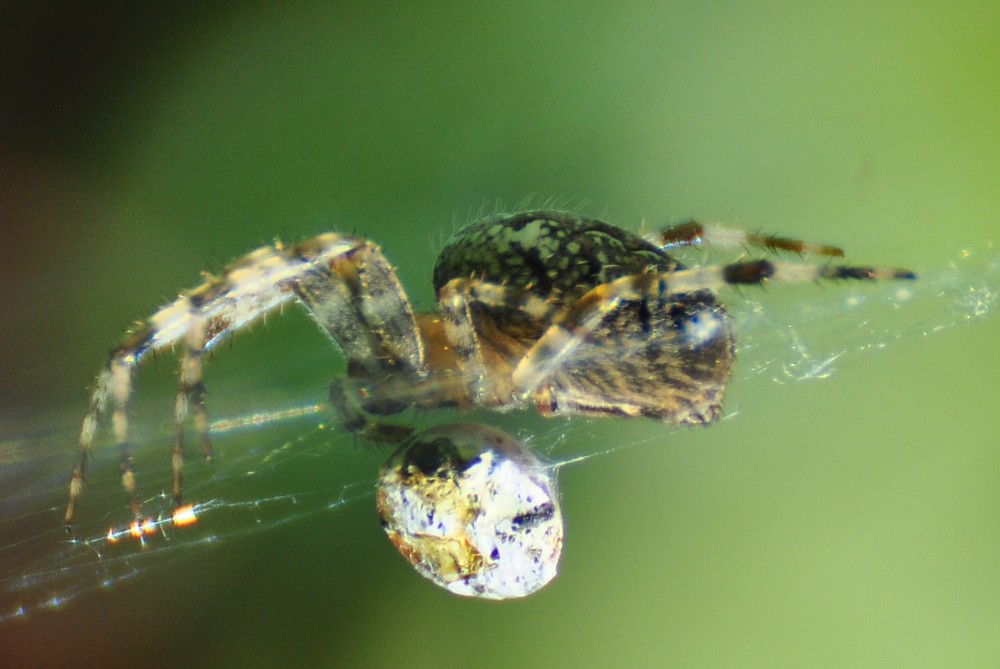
(360, 303)
(255, 285)
(190, 399)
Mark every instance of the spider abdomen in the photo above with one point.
(553, 253)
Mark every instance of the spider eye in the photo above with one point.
(473, 511)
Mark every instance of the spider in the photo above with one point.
(545, 308)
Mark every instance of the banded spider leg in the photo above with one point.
(689, 397)
(375, 330)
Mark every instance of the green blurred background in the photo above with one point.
(849, 523)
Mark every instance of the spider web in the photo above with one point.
(786, 335)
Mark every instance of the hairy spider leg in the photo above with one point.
(359, 302)
(693, 233)
(564, 336)
(247, 289)
(487, 382)
(454, 305)
(190, 398)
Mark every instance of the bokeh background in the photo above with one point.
(852, 522)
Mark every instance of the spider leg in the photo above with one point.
(190, 398)
(564, 337)
(693, 233)
(358, 300)
(247, 289)
(113, 383)
(456, 301)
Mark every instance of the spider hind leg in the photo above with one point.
(551, 367)
(693, 233)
